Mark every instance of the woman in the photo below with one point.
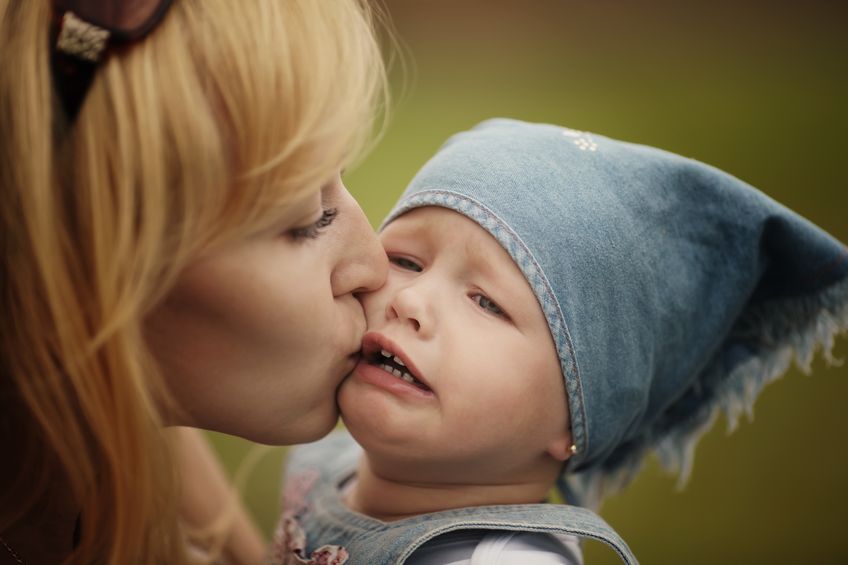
(178, 249)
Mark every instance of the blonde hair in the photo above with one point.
(197, 135)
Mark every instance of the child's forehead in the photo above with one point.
(426, 217)
(434, 231)
(445, 228)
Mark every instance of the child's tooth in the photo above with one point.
(396, 372)
(386, 353)
(386, 368)
(399, 362)
(407, 378)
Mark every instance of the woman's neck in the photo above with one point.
(388, 499)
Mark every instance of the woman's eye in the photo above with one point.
(406, 264)
(489, 305)
(312, 231)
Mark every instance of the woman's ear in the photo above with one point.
(561, 447)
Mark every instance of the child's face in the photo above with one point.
(457, 311)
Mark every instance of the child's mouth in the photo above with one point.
(393, 365)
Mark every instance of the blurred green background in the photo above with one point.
(756, 88)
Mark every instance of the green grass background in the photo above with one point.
(756, 88)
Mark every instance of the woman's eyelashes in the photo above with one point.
(315, 229)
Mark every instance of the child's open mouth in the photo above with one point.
(394, 365)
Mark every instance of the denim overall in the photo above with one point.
(317, 528)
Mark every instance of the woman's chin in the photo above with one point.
(308, 428)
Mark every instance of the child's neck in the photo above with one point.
(387, 499)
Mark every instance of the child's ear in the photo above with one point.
(560, 447)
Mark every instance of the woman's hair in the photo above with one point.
(199, 134)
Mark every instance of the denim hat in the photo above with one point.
(672, 289)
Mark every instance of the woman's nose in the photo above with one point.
(363, 264)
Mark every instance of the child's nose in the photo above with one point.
(409, 306)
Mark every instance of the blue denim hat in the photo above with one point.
(672, 289)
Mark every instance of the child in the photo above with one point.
(616, 298)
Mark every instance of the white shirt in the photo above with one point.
(481, 547)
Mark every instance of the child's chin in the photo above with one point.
(367, 424)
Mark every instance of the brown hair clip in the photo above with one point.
(82, 33)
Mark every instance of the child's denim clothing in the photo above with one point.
(317, 528)
(671, 288)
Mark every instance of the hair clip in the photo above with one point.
(82, 33)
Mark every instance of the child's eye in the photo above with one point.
(489, 305)
(406, 264)
(314, 230)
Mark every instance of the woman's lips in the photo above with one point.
(347, 366)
